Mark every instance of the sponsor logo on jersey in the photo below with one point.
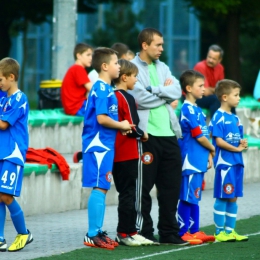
(147, 158)
(228, 188)
(228, 122)
(233, 137)
(109, 176)
(197, 193)
(113, 109)
(204, 129)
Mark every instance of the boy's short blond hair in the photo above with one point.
(80, 48)
(224, 87)
(101, 55)
(126, 67)
(9, 66)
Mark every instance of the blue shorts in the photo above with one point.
(228, 182)
(191, 187)
(11, 178)
(97, 169)
(82, 110)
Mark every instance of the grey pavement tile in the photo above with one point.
(64, 232)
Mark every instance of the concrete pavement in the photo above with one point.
(64, 232)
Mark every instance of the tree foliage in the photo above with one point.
(16, 14)
(226, 22)
(120, 26)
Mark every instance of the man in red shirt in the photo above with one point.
(213, 71)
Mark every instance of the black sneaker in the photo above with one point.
(173, 240)
(151, 237)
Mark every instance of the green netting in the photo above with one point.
(252, 141)
(50, 117)
(249, 102)
(36, 118)
(33, 167)
(177, 110)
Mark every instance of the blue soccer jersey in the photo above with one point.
(101, 101)
(229, 128)
(193, 125)
(14, 140)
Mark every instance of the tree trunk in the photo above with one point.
(232, 54)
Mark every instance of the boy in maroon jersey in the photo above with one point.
(125, 167)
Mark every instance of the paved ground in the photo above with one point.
(63, 232)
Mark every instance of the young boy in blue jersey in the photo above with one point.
(14, 137)
(227, 134)
(197, 152)
(98, 140)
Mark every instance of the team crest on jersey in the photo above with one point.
(147, 158)
(197, 193)
(109, 176)
(102, 86)
(8, 103)
(18, 96)
(228, 188)
(191, 109)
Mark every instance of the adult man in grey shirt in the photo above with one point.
(160, 157)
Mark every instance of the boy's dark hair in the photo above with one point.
(101, 55)
(9, 66)
(224, 87)
(146, 35)
(216, 48)
(121, 48)
(127, 67)
(188, 77)
(80, 48)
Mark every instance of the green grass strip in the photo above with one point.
(215, 251)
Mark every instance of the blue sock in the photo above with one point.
(219, 214)
(194, 218)
(231, 216)
(184, 216)
(2, 220)
(96, 210)
(17, 217)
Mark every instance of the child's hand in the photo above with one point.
(145, 137)
(174, 104)
(213, 152)
(244, 142)
(125, 126)
(241, 147)
(210, 161)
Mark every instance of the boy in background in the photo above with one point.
(125, 169)
(14, 137)
(76, 84)
(98, 140)
(197, 152)
(227, 134)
